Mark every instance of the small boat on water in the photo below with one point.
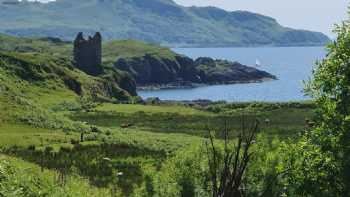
(257, 63)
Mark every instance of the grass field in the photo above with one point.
(136, 139)
(152, 109)
(24, 136)
(21, 178)
(179, 119)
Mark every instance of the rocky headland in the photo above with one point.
(151, 72)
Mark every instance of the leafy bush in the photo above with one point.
(319, 163)
(66, 106)
(185, 174)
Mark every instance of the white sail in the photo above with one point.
(257, 62)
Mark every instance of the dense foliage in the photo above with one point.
(320, 163)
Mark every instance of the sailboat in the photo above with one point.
(257, 63)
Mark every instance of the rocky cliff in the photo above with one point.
(222, 71)
(150, 70)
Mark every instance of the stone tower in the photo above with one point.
(88, 53)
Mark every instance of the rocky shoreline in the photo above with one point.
(189, 85)
(153, 72)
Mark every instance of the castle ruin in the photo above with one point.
(88, 53)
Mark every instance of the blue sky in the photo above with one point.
(317, 15)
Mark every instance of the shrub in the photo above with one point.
(48, 149)
(108, 132)
(320, 161)
(74, 141)
(31, 147)
(95, 130)
(91, 137)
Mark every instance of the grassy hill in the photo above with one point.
(45, 70)
(157, 21)
(112, 50)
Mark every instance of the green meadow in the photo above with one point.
(138, 140)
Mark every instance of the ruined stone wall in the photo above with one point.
(88, 53)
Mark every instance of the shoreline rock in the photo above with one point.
(180, 85)
(153, 72)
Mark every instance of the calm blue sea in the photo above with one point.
(291, 65)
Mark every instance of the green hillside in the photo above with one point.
(112, 50)
(157, 21)
(55, 75)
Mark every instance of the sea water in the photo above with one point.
(292, 65)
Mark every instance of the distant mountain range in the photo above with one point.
(157, 21)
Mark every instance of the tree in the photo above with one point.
(324, 150)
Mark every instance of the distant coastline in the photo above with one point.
(195, 26)
(189, 85)
(243, 46)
